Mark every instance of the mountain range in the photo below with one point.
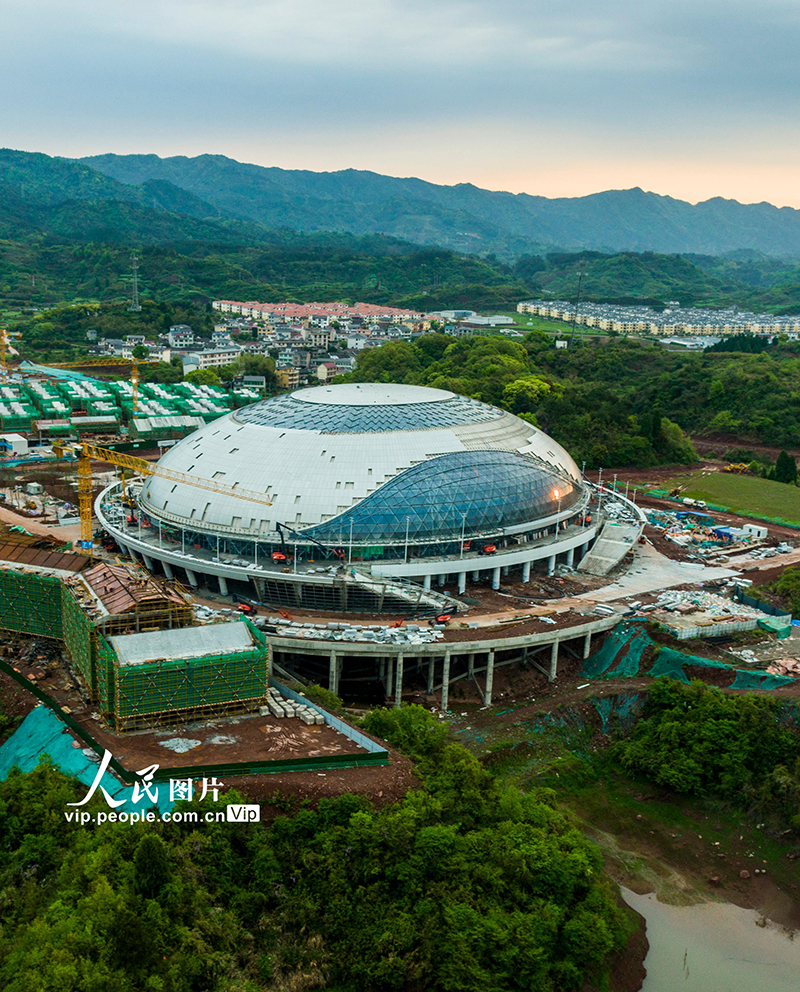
(464, 217)
(214, 199)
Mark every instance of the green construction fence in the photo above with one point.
(79, 639)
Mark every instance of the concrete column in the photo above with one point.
(192, 578)
(442, 579)
(571, 557)
(587, 645)
(389, 675)
(487, 698)
(505, 569)
(223, 585)
(471, 665)
(526, 571)
(476, 576)
(168, 570)
(446, 681)
(133, 554)
(398, 679)
(431, 670)
(426, 583)
(148, 562)
(553, 661)
(462, 583)
(269, 662)
(551, 565)
(496, 578)
(333, 672)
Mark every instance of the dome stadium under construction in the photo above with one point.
(373, 494)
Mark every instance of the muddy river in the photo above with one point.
(715, 947)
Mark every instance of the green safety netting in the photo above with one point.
(671, 664)
(620, 654)
(782, 626)
(623, 709)
(759, 680)
(41, 732)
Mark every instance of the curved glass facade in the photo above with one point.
(329, 418)
(467, 492)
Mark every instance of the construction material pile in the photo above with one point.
(409, 633)
(697, 532)
(281, 707)
(703, 614)
(784, 666)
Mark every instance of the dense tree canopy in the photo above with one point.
(589, 399)
(463, 886)
(698, 740)
(621, 402)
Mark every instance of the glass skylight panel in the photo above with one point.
(294, 414)
(464, 492)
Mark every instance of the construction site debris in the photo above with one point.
(279, 706)
(784, 666)
(703, 614)
(180, 745)
(375, 633)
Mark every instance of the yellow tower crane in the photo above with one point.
(83, 453)
(134, 387)
(109, 362)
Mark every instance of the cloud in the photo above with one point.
(465, 85)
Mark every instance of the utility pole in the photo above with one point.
(135, 306)
(581, 273)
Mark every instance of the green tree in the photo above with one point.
(786, 469)
(140, 351)
(203, 377)
(524, 395)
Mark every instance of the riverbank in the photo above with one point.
(682, 851)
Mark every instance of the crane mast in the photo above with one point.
(83, 453)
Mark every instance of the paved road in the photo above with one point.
(651, 571)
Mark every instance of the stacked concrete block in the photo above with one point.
(281, 707)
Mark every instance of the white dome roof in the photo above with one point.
(317, 452)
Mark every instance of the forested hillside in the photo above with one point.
(68, 231)
(286, 266)
(465, 217)
(45, 269)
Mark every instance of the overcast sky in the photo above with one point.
(692, 98)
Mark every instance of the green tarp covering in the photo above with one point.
(41, 732)
(620, 656)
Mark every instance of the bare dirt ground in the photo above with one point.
(238, 738)
(718, 444)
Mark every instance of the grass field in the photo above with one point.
(525, 322)
(744, 494)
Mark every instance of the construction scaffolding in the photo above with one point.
(30, 603)
(170, 676)
(79, 639)
(132, 645)
(124, 600)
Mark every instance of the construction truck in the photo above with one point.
(740, 468)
